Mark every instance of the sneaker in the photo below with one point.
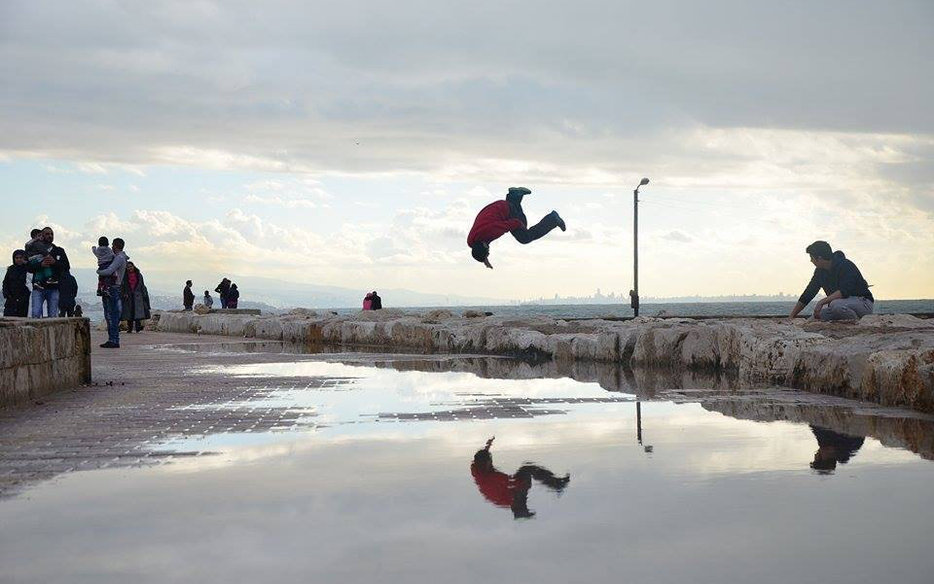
(109, 345)
(560, 221)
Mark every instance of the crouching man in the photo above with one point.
(848, 296)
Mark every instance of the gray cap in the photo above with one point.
(519, 191)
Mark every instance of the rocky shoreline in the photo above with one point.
(886, 359)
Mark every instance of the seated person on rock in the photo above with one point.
(848, 296)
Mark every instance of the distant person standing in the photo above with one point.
(112, 297)
(135, 299)
(67, 295)
(368, 301)
(207, 301)
(848, 296)
(222, 290)
(377, 302)
(15, 291)
(233, 296)
(188, 297)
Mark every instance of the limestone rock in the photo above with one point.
(888, 359)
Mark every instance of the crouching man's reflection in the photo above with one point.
(833, 447)
(511, 490)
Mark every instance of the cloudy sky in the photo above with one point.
(352, 143)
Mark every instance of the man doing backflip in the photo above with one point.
(501, 216)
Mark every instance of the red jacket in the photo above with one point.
(498, 487)
(492, 222)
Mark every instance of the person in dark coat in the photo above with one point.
(67, 293)
(135, 299)
(499, 217)
(222, 289)
(15, 291)
(377, 302)
(188, 297)
(233, 296)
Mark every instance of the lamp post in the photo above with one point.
(634, 293)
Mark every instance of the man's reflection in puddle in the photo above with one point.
(511, 491)
(833, 447)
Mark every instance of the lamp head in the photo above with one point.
(643, 182)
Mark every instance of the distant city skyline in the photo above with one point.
(305, 143)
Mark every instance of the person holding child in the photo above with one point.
(111, 298)
(47, 262)
(104, 256)
(222, 290)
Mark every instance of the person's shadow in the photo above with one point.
(511, 490)
(832, 448)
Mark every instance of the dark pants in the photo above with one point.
(66, 310)
(524, 476)
(525, 234)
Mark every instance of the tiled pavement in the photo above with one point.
(143, 397)
(140, 397)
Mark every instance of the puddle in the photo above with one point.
(382, 475)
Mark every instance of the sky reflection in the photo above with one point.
(361, 500)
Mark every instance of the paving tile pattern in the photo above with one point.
(141, 398)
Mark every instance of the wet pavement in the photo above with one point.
(201, 459)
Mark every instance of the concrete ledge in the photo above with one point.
(887, 359)
(40, 356)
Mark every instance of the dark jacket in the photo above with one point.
(135, 302)
(14, 283)
(15, 291)
(188, 297)
(223, 288)
(67, 291)
(843, 275)
(377, 302)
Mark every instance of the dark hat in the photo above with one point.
(519, 191)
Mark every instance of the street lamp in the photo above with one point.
(634, 293)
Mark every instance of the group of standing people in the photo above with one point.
(52, 290)
(372, 301)
(227, 290)
(40, 276)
